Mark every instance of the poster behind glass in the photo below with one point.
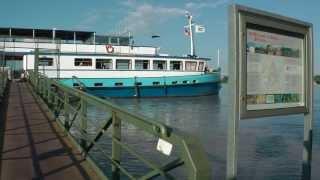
(275, 70)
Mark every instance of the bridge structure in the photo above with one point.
(48, 132)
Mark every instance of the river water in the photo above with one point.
(269, 148)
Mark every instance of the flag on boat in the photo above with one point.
(200, 29)
(186, 31)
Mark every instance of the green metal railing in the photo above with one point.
(3, 81)
(71, 108)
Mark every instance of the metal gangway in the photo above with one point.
(70, 108)
(60, 139)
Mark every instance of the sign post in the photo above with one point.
(271, 74)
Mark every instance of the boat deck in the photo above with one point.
(33, 147)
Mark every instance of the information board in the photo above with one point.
(274, 60)
(275, 70)
(270, 74)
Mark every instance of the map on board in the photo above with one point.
(275, 71)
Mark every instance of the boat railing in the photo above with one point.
(81, 86)
(179, 155)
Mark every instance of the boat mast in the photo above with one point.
(192, 48)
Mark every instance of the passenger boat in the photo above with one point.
(111, 66)
(119, 74)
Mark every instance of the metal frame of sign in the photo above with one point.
(280, 25)
(239, 18)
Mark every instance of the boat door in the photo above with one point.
(15, 62)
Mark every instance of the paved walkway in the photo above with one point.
(33, 146)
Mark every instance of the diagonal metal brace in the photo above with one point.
(98, 136)
(59, 108)
(165, 168)
(75, 116)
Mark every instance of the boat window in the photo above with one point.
(103, 63)
(98, 84)
(194, 81)
(141, 65)
(138, 83)
(45, 61)
(123, 64)
(185, 82)
(159, 65)
(13, 57)
(83, 62)
(156, 83)
(114, 40)
(174, 82)
(124, 41)
(76, 85)
(191, 66)
(118, 84)
(176, 65)
(201, 65)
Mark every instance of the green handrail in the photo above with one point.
(58, 97)
(3, 81)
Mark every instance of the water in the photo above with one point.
(269, 148)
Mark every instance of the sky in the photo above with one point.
(143, 19)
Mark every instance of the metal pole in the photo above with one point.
(66, 111)
(116, 148)
(233, 131)
(53, 35)
(56, 102)
(36, 60)
(307, 146)
(74, 37)
(192, 49)
(74, 41)
(308, 117)
(36, 65)
(57, 59)
(94, 38)
(218, 57)
(4, 56)
(233, 124)
(49, 92)
(33, 35)
(83, 123)
(3, 77)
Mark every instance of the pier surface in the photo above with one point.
(33, 146)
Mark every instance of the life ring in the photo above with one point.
(109, 48)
